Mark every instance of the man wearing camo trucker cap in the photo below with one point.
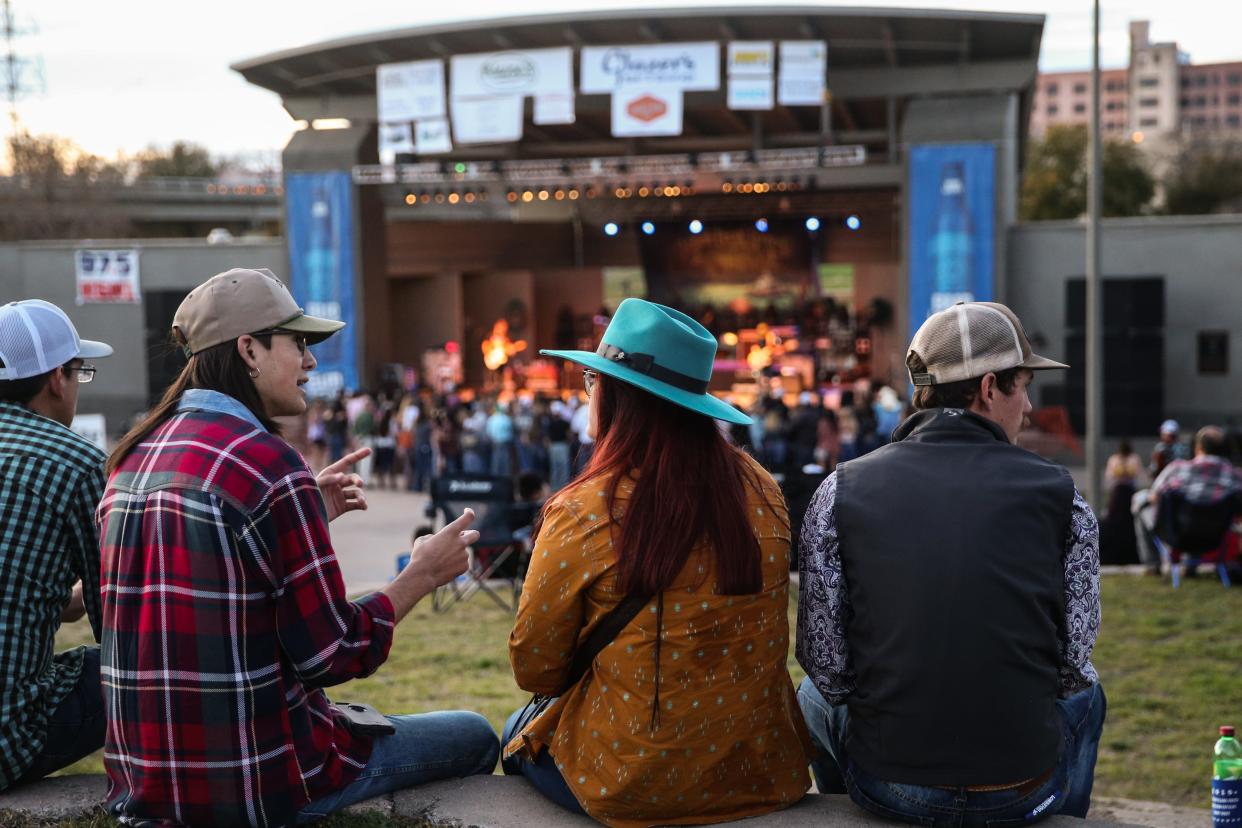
(950, 600)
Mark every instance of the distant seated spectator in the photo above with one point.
(1206, 480)
(1169, 448)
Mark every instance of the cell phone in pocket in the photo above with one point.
(365, 720)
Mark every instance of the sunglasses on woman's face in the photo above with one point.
(588, 380)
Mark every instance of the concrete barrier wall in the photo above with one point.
(45, 270)
(1200, 259)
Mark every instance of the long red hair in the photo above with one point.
(690, 487)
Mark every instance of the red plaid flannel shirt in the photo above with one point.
(224, 613)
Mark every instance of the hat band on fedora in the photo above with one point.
(646, 364)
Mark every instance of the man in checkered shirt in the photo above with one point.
(51, 709)
(1206, 480)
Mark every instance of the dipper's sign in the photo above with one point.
(686, 66)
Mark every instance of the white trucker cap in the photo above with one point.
(37, 336)
(971, 339)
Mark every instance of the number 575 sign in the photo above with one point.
(107, 276)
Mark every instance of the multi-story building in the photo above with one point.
(1159, 95)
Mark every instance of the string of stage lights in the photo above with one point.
(813, 224)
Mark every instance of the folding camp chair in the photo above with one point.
(1194, 530)
(496, 555)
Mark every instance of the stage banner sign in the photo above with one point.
(533, 72)
(750, 66)
(410, 91)
(952, 226)
(493, 120)
(394, 138)
(803, 71)
(432, 136)
(320, 229)
(107, 277)
(645, 111)
(686, 66)
(554, 108)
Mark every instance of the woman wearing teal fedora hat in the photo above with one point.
(677, 544)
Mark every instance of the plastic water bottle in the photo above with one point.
(1227, 781)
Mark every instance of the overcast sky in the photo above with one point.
(124, 74)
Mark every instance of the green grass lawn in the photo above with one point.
(1168, 660)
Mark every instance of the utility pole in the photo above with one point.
(1095, 363)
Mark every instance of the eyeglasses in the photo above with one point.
(298, 339)
(85, 373)
(588, 380)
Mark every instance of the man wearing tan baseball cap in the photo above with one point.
(965, 629)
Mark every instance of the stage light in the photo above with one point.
(460, 168)
(611, 229)
(439, 198)
(573, 195)
(726, 187)
(411, 199)
(853, 222)
(812, 224)
(648, 228)
(453, 198)
(761, 225)
(469, 198)
(512, 196)
(696, 227)
(544, 195)
(643, 192)
(528, 196)
(559, 195)
(730, 339)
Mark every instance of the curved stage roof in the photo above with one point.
(857, 38)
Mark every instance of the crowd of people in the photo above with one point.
(417, 435)
(949, 678)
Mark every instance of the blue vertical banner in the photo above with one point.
(320, 230)
(952, 192)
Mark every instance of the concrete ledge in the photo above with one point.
(506, 802)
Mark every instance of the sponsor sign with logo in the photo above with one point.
(804, 58)
(533, 72)
(750, 92)
(92, 427)
(493, 120)
(432, 136)
(751, 57)
(686, 66)
(646, 111)
(107, 276)
(410, 91)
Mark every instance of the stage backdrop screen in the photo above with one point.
(321, 263)
(728, 261)
(952, 226)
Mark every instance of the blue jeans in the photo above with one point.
(75, 729)
(1067, 791)
(541, 773)
(426, 747)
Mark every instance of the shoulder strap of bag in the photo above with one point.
(603, 635)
